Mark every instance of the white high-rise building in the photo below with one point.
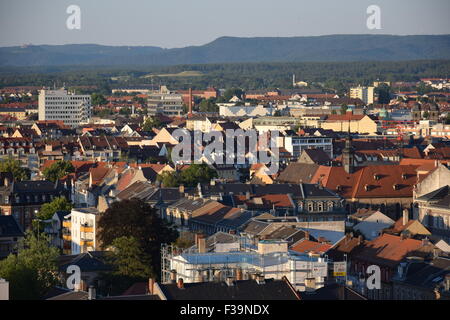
(72, 109)
(364, 93)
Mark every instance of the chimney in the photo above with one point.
(92, 294)
(232, 232)
(447, 282)
(173, 276)
(201, 244)
(247, 195)
(405, 216)
(239, 274)
(6, 182)
(181, 188)
(190, 101)
(360, 240)
(151, 285)
(306, 235)
(180, 283)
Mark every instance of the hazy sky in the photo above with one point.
(178, 23)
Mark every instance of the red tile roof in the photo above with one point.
(387, 249)
(383, 181)
(306, 246)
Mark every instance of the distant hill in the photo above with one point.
(231, 49)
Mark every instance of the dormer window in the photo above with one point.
(376, 176)
(367, 187)
(404, 176)
(396, 186)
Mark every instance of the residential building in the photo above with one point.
(65, 106)
(10, 236)
(433, 211)
(84, 228)
(259, 288)
(370, 223)
(23, 199)
(296, 144)
(269, 259)
(419, 279)
(165, 102)
(366, 94)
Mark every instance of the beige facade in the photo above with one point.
(365, 125)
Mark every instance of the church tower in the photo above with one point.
(348, 154)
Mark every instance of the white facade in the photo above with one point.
(372, 226)
(61, 105)
(363, 93)
(271, 259)
(4, 289)
(296, 144)
(84, 229)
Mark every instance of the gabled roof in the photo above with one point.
(9, 227)
(387, 250)
(306, 246)
(382, 181)
(333, 291)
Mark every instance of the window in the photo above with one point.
(320, 207)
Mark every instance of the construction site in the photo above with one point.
(224, 256)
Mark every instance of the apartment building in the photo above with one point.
(165, 102)
(65, 106)
(84, 230)
(366, 94)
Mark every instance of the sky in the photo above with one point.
(180, 23)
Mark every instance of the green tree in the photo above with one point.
(343, 108)
(33, 271)
(98, 99)
(58, 204)
(129, 259)
(135, 218)
(58, 170)
(13, 166)
(150, 123)
(169, 179)
(230, 93)
(384, 93)
(208, 105)
(197, 173)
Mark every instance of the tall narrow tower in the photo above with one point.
(190, 102)
(348, 154)
(293, 80)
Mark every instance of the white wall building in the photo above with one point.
(271, 259)
(84, 229)
(64, 106)
(366, 94)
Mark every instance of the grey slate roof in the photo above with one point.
(9, 227)
(241, 290)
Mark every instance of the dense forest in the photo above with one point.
(328, 48)
(336, 75)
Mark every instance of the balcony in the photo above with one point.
(67, 237)
(84, 243)
(86, 229)
(67, 224)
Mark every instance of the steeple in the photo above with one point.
(348, 153)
